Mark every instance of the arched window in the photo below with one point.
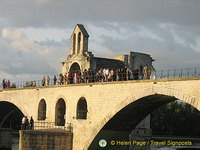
(82, 109)
(60, 113)
(79, 41)
(74, 43)
(42, 110)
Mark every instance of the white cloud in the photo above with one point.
(181, 37)
(19, 77)
(196, 46)
(13, 35)
(19, 42)
(147, 33)
(43, 34)
(16, 64)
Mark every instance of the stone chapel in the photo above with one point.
(80, 58)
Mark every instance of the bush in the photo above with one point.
(13, 86)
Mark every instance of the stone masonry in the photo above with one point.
(45, 140)
(104, 100)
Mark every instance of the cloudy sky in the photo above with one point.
(34, 34)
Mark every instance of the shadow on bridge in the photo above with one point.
(10, 124)
(122, 123)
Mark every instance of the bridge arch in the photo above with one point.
(42, 110)
(81, 109)
(10, 115)
(60, 111)
(18, 104)
(151, 98)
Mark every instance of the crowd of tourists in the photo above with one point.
(26, 124)
(88, 76)
(101, 75)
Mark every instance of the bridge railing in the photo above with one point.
(178, 73)
(120, 76)
(51, 125)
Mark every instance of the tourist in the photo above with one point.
(79, 77)
(47, 80)
(59, 79)
(54, 80)
(75, 79)
(31, 123)
(145, 72)
(117, 74)
(131, 74)
(106, 74)
(153, 73)
(34, 83)
(111, 75)
(8, 84)
(128, 74)
(26, 123)
(3, 84)
(88, 76)
(100, 75)
(70, 79)
(31, 83)
(23, 123)
(64, 79)
(136, 74)
(43, 81)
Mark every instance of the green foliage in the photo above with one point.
(13, 86)
(176, 118)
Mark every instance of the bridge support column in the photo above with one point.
(45, 139)
(5, 139)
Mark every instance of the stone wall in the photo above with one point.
(108, 63)
(45, 140)
(5, 139)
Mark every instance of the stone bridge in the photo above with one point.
(92, 107)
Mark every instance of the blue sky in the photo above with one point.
(34, 34)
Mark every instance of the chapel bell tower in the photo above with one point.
(79, 40)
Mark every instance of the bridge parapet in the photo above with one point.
(50, 125)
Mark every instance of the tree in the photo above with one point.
(176, 118)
